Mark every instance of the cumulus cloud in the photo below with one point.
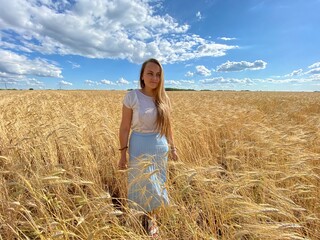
(187, 81)
(34, 82)
(65, 83)
(17, 69)
(189, 74)
(285, 80)
(295, 73)
(314, 71)
(203, 71)
(315, 77)
(315, 65)
(15, 64)
(221, 80)
(91, 83)
(122, 81)
(107, 82)
(7, 81)
(212, 80)
(303, 79)
(172, 82)
(120, 29)
(183, 83)
(12, 79)
(240, 66)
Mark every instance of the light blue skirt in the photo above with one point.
(147, 171)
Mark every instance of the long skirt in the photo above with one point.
(148, 154)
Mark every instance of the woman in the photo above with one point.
(147, 112)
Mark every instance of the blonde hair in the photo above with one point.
(162, 100)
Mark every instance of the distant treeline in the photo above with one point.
(178, 89)
(15, 89)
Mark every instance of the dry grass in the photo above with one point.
(249, 166)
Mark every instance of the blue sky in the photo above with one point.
(269, 45)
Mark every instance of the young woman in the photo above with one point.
(147, 112)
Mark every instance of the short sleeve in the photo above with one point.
(128, 99)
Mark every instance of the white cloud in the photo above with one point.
(198, 15)
(314, 71)
(180, 83)
(226, 38)
(15, 64)
(212, 80)
(8, 81)
(203, 71)
(12, 79)
(65, 83)
(183, 83)
(315, 65)
(120, 29)
(34, 82)
(315, 77)
(221, 80)
(310, 78)
(240, 66)
(206, 49)
(107, 82)
(295, 73)
(91, 83)
(18, 69)
(189, 74)
(172, 82)
(8, 45)
(287, 80)
(122, 81)
(74, 65)
(187, 81)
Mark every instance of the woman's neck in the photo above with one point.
(148, 92)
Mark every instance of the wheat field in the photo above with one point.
(248, 167)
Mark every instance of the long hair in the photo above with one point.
(162, 100)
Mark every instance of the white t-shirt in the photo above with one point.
(144, 115)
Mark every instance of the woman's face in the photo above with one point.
(151, 75)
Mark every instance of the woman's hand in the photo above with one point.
(122, 165)
(174, 154)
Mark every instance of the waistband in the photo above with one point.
(145, 134)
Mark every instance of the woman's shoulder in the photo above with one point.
(130, 98)
(130, 93)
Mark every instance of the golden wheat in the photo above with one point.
(248, 168)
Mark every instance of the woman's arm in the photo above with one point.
(124, 135)
(173, 149)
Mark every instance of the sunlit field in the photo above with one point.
(249, 167)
